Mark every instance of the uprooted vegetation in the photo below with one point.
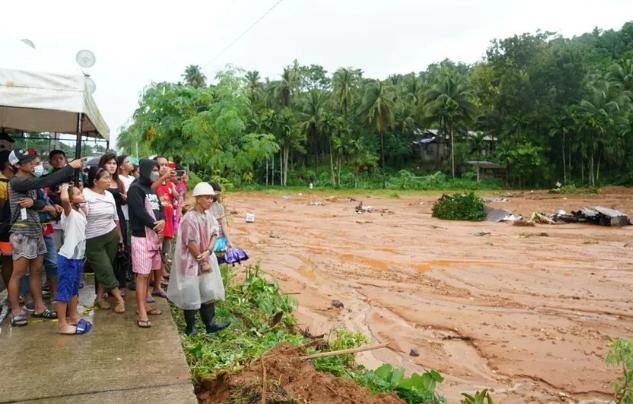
(460, 206)
(263, 354)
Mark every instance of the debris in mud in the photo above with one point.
(482, 233)
(338, 304)
(414, 352)
(541, 218)
(316, 203)
(249, 218)
(602, 216)
(523, 222)
(499, 215)
(528, 235)
(272, 235)
(282, 376)
(360, 208)
(495, 199)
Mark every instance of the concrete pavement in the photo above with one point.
(117, 362)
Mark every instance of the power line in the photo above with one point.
(246, 31)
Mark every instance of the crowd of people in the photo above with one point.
(123, 222)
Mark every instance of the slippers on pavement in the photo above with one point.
(47, 314)
(82, 327)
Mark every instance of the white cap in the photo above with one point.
(203, 188)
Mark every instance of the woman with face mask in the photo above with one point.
(147, 224)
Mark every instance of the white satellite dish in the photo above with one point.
(91, 85)
(28, 42)
(85, 58)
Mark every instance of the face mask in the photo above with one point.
(39, 170)
(153, 176)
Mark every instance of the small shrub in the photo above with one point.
(480, 397)
(465, 206)
(621, 354)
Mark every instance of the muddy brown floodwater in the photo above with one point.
(525, 311)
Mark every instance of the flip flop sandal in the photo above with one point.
(150, 299)
(82, 327)
(19, 321)
(103, 304)
(143, 323)
(47, 314)
(160, 294)
(119, 308)
(152, 311)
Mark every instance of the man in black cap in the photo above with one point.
(26, 238)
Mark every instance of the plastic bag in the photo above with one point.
(220, 244)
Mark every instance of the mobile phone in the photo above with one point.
(180, 173)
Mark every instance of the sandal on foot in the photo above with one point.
(160, 293)
(150, 299)
(102, 304)
(19, 321)
(82, 327)
(119, 308)
(153, 311)
(47, 314)
(143, 323)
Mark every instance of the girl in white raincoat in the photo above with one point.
(195, 281)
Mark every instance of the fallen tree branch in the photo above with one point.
(346, 351)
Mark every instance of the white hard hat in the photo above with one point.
(203, 188)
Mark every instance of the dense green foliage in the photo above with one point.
(549, 108)
(415, 389)
(249, 306)
(464, 206)
(621, 354)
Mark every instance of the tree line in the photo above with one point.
(547, 107)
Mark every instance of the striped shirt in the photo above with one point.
(31, 225)
(101, 213)
(25, 186)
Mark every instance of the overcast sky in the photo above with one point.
(136, 42)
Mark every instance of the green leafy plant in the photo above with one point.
(417, 388)
(621, 354)
(466, 206)
(479, 397)
(340, 365)
(260, 315)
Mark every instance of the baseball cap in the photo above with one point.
(20, 157)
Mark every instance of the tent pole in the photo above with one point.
(79, 131)
(78, 144)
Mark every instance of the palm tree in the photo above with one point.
(450, 103)
(345, 83)
(378, 112)
(312, 120)
(601, 117)
(194, 77)
(253, 86)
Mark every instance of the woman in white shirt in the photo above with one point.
(103, 237)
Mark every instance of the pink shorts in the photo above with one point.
(145, 256)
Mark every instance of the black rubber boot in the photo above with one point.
(190, 320)
(207, 312)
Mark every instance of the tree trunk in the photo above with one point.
(598, 169)
(286, 154)
(281, 167)
(332, 166)
(382, 158)
(564, 165)
(339, 164)
(591, 168)
(450, 131)
(266, 172)
(272, 171)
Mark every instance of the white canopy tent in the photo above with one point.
(49, 102)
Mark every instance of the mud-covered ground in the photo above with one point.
(526, 311)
